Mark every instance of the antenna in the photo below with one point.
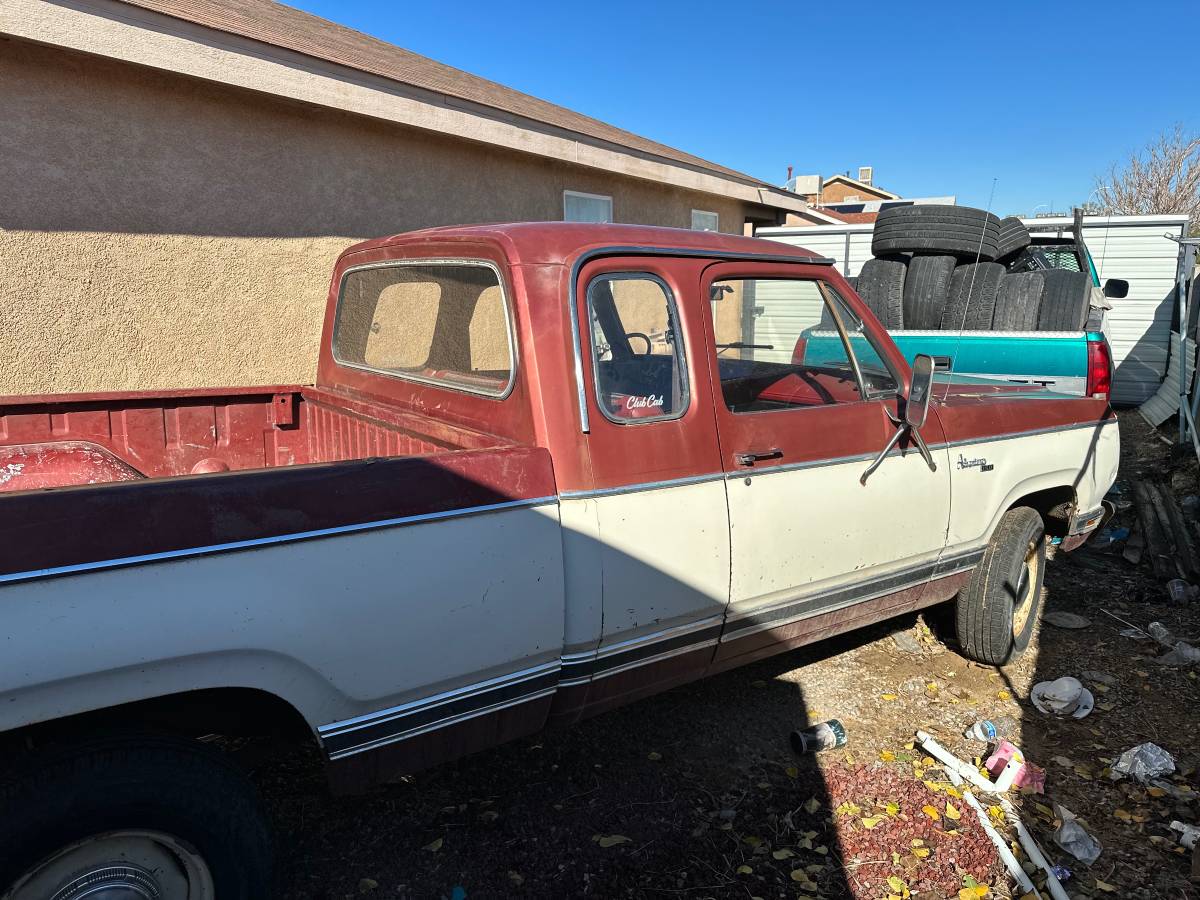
(970, 292)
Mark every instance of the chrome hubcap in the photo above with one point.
(119, 865)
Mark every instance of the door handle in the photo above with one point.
(750, 457)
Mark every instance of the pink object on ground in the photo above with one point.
(1028, 776)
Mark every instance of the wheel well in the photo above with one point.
(231, 712)
(1055, 506)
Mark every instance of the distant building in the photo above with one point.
(840, 199)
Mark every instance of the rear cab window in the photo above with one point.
(786, 343)
(442, 322)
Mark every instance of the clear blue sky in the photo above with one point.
(939, 97)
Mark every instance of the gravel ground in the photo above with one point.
(696, 793)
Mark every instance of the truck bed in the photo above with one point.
(76, 439)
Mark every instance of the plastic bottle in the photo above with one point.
(991, 729)
(825, 736)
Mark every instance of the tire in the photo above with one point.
(123, 799)
(996, 609)
(972, 300)
(1066, 297)
(1018, 301)
(926, 287)
(881, 286)
(1014, 237)
(960, 231)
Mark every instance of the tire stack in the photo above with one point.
(946, 267)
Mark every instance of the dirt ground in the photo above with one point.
(696, 793)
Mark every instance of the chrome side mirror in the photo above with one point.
(916, 406)
(916, 411)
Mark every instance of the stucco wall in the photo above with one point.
(159, 231)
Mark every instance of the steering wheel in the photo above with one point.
(644, 337)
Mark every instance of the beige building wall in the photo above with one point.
(158, 231)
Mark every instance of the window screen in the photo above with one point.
(440, 322)
(579, 207)
(778, 346)
(637, 348)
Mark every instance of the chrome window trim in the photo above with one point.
(418, 379)
(643, 486)
(642, 250)
(680, 351)
(354, 723)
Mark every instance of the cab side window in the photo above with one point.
(784, 343)
(637, 348)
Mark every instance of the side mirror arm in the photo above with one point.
(903, 429)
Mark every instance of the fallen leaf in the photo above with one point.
(889, 696)
(811, 805)
(920, 852)
(654, 756)
(489, 815)
(745, 870)
(823, 850)
(892, 809)
(931, 811)
(1156, 792)
(848, 807)
(792, 772)
(887, 756)
(871, 821)
(433, 846)
(751, 840)
(516, 878)
(952, 812)
(783, 853)
(1003, 695)
(610, 840)
(366, 885)
(1105, 886)
(1122, 814)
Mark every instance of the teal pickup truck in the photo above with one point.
(1033, 312)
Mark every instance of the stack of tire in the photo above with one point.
(948, 267)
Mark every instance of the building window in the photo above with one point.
(579, 207)
(705, 221)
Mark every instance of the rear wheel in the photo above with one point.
(145, 818)
(997, 608)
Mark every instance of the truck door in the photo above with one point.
(656, 466)
(802, 409)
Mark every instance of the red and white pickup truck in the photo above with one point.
(545, 469)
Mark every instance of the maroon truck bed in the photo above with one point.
(74, 439)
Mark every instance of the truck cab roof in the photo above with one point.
(563, 242)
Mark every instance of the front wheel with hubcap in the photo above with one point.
(138, 818)
(997, 607)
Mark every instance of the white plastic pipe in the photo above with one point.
(971, 774)
(1002, 848)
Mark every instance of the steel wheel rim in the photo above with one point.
(119, 865)
(1024, 602)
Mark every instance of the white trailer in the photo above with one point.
(1135, 248)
